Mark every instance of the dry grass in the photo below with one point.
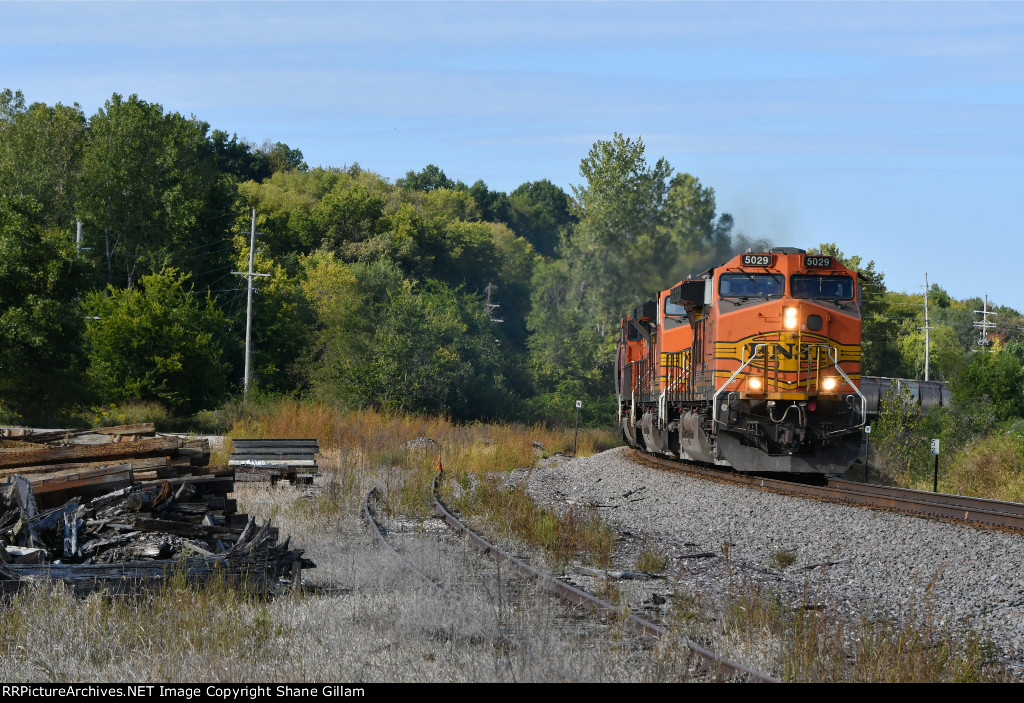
(382, 436)
(783, 558)
(409, 445)
(992, 468)
(650, 558)
(511, 512)
(808, 644)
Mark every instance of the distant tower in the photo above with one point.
(490, 307)
(985, 327)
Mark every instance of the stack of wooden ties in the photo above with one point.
(120, 508)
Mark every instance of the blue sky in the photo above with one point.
(893, 129)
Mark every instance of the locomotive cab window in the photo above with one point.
(675, 315)
(822, 287)
(751, 285)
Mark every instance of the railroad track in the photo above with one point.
(719, 665)
(979, 511)
(370, 516)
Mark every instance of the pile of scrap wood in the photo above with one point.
(119, 508)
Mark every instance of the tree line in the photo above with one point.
(423, 294)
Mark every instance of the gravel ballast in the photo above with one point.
(850, 560)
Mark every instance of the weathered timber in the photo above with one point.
(260, 569)
(146, 428)
(197, 451)
(136, 429)
(141, 448)
(97, 482)
(273, 459)
(172, 527)
(150, 497)
(246, 444)
(35, 473)
(221, 482)
(246, 474)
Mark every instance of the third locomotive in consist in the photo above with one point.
(755, 364)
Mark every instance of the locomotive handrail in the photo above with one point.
(760, 348)
(863, 400)
(714, 398)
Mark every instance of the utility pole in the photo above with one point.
(248, 311)
(78, 236)
(927, 329)
(984, 326)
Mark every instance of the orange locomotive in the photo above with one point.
(755, 365)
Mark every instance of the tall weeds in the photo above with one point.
(812, 645)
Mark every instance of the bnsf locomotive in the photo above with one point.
(755, 364)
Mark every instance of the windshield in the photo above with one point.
(675, 315)
(751, 285)
(822, 287)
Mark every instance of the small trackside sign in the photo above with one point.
(579, 404)
(935, 447)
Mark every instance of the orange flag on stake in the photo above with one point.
(439, 467)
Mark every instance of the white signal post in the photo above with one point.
(576, 436)
(248, 311)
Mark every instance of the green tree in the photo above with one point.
(433, 351)
(151, 188)
(539, 212)
(999, 377)
(157, 341)
(281, 322)
(430, 178)
(636, 232)
(578, 299)
(620, 209)
(494, 205)
(336, 361)
(274, 157)
(692, 236)
(351, 213)
(41, 320)
(880, 321)
(40, 154)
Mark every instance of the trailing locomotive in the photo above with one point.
(755, 364)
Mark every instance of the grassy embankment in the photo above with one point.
(187, 633)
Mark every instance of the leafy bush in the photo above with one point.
(157, 342)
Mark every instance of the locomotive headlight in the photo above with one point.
(789, 318)
(829, 383)
(755, 383)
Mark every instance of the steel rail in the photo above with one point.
(995, 513)
(378, 534)
(576, 596)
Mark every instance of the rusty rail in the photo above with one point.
(966, 509)
(574, 595)
(375, 528)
